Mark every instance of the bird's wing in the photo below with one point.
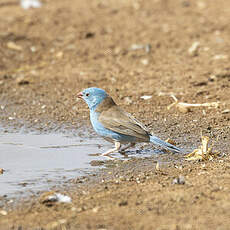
(115, 119)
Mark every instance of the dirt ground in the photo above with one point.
(131, 49)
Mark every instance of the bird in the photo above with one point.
(116, 125)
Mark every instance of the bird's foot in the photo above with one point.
(117, 147)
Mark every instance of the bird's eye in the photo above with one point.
(87, 94)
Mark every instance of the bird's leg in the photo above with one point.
(117, 147)
(127, 146)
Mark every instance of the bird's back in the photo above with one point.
(114, 118)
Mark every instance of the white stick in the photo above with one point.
(208, 104)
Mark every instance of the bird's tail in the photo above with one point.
(165, 145)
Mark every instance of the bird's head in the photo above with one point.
(93, 96)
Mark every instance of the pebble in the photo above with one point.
(49, 198)
(13, 46)
(179, 180)
(146, 97)
(21, 80)
(3, 212)
(73, 209)
(145, 61)
(193, 50)
(123, 203)
(27, 4)
(226, 111)
(33, 49)
(201, 5)
(62, 221)
(59, 54)
(95, 209)
(128, 100)
(183, 109)
(146, 47)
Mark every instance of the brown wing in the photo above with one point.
(114, 118)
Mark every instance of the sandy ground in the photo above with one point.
(131, 49)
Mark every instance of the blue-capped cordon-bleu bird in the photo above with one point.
(115, 125)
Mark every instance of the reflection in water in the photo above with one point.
(34, 162)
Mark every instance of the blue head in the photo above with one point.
(93, 96)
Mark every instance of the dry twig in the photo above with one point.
(189, 105)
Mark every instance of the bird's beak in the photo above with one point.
(80, 95)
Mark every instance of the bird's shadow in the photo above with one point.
(133, 153)
(144, 152)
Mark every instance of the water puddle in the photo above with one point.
(35, 162)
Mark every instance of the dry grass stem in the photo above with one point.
(203, 152)
(188, 105)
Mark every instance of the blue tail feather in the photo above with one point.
(165, 145)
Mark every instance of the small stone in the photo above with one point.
(146, 97)
(145, 61)
(27, 4)
(136, 47)
(59, 54)
(179, 180)
(49, 198)
(95, 209)
(183, 109)
(13, 46)
(62, 221)
(226, 111)
(136, 5)
(73, 209)
(128, 100)
(52, 50)
(117, 50)
(201, 5)
(33, 49)
(3, 212)
(34, 72)
(123, 203)
(146, 47)
(193, 50)
(1, 171)
(21, 80)
(89, 35)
